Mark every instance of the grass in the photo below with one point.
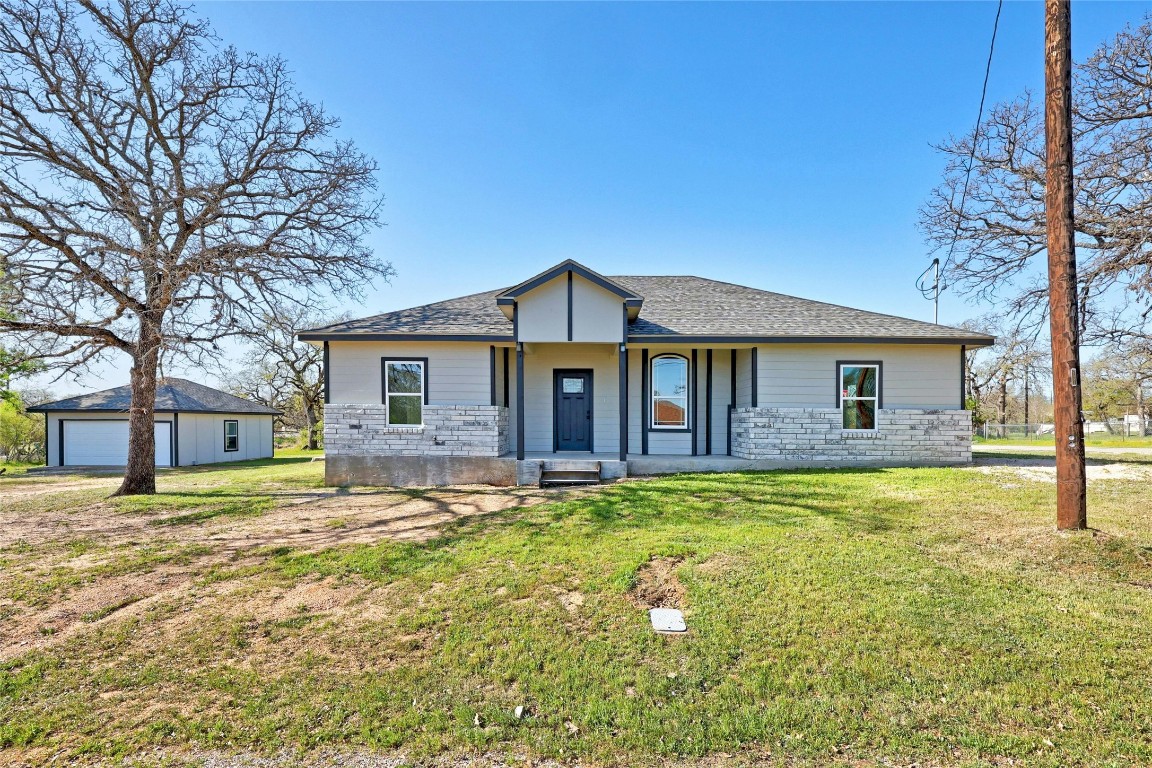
(12, 468)
(927, 615)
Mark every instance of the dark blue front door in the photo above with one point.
(572, 417)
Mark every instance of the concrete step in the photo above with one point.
(567, 465)
(545, 480)
(570, 472)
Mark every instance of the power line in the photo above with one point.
(933, 290)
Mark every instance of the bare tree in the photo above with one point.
(1116, 383)
(1016, 358)
(156, 186)
(1000, 253)
(287, 370)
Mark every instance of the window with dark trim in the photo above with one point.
(859, 395)
(404, 392)
(669, 392)
(231, 435)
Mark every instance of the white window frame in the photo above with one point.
(226, 423)
(842, 397)
(389, 395)
(687, 425)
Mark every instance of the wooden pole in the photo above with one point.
(1071, 500)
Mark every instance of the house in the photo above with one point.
(195, 424)
(571, 371)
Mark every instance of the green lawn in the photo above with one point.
(1095, 440)
(836, 617)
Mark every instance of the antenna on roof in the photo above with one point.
(931, 290)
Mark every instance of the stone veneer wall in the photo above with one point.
(816, 434)
(448, 430)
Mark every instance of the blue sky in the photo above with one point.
(785, 146)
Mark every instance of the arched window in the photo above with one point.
(669, 392)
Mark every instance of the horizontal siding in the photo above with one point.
(914, 375)
(540, 361)
(457, 371)
(744, 378)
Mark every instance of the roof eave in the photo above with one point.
(673, 338)
(375, 336)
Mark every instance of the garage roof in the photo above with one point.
(172, 396)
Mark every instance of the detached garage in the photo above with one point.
(195, 424)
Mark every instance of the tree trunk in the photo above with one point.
(310, 419)
(1003, 401)
(140, 472)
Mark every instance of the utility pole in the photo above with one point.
(1071, 499)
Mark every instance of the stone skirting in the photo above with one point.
(904, 435)
(448, 430)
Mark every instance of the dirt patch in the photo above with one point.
(657, 585)
(302, 520)
(721, 565)
(1044, 469)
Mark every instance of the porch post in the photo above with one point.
(694, 401)
(644, 401)
(731, 398)
(520, 401)
(623, 402)
(708, 402)
(492, 375)
(755, 377)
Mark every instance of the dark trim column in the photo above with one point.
(708, 403)
(963, 377)
(507, 389)
(519, 399)
(645, 401)
(731, 399)
(755, 377)
(492, 375)
(176, 438)
(60, 445)
(569, 305)
(623, 402)
(327, 386)
(694, 399)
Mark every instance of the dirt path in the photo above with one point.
(109, 587)
(1043, 468)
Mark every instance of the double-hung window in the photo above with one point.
(669, 392)
(231, 435)
(859, 394)
(404, 392)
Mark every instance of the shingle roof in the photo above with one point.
(674, 306)
(172, 395)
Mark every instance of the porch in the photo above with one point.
(580, 399)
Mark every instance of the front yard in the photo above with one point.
(846, 617)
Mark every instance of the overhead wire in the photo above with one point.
(933, 290)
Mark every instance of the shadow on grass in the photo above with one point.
(844, 498)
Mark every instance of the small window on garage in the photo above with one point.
(231, 435)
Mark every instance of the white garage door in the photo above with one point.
(105, 443)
